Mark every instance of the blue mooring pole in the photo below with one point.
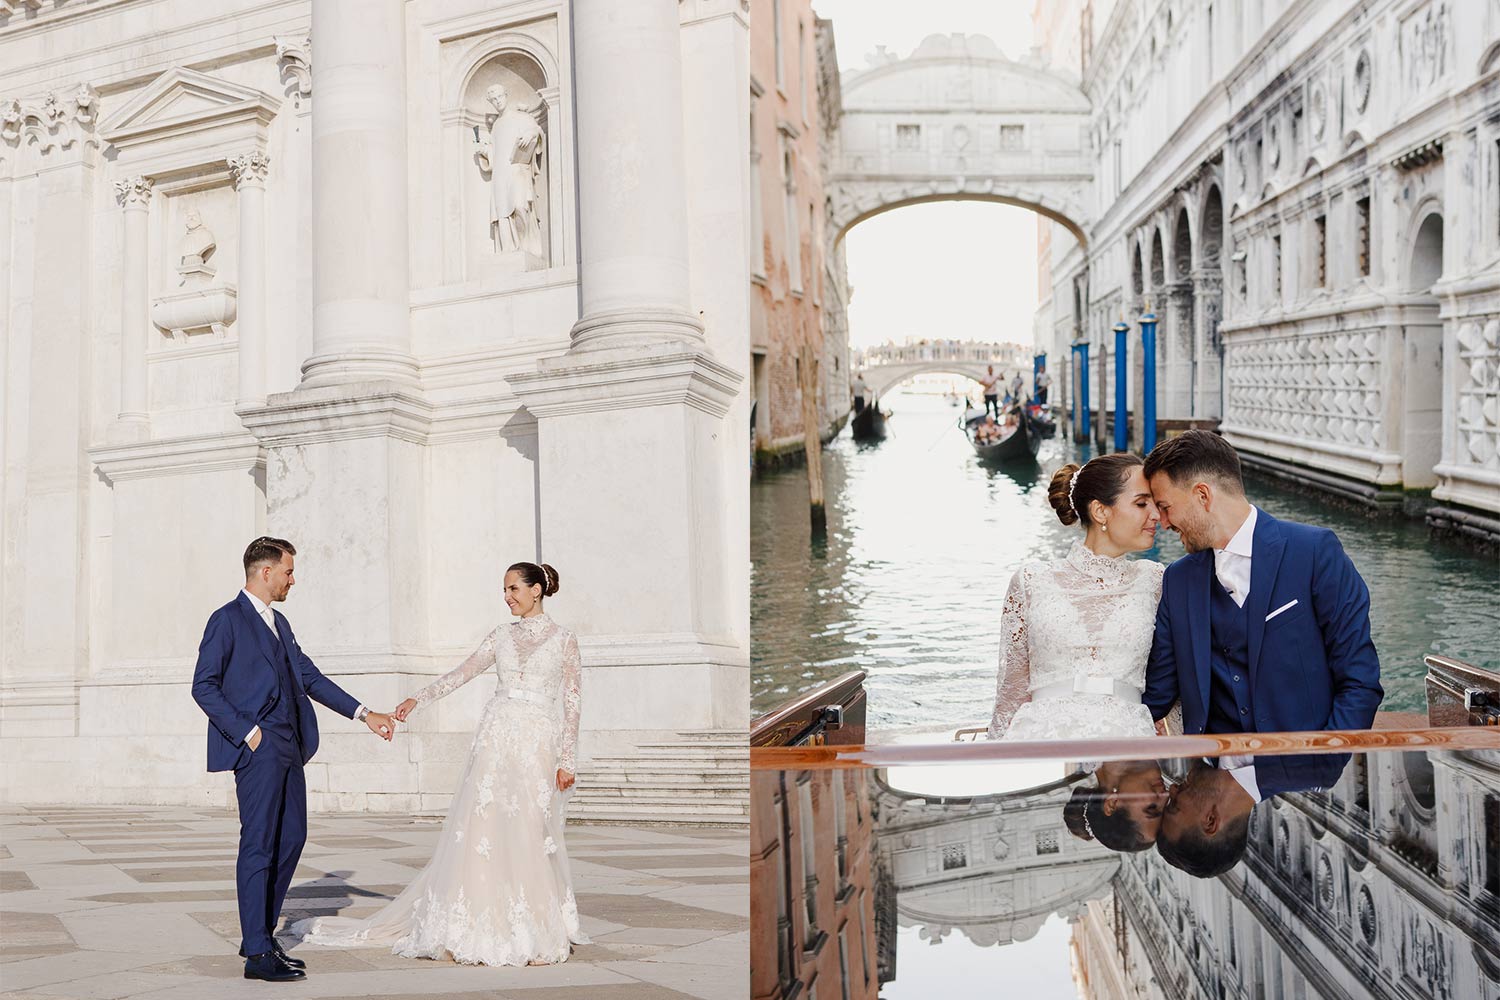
(1081, 397)
(1148, 389)
(1122, 379)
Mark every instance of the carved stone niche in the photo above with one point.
(507, 197)
(178, 132)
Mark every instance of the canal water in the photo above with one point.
(922, 541)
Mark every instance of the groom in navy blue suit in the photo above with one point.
(1264, 626)
(253, 682)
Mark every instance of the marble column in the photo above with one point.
(134, 196)
(1176, 357)
(631, 176)
(361, 313)
(249, 172)
(1208, 308)
(639, 355)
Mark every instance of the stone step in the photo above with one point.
(649, 820)
(669, 763)
(594, 777)
(672, 793)
(686, 813)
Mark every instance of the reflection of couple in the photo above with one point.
(1262, 627)
(497, 890)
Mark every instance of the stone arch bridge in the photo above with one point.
(957, 120)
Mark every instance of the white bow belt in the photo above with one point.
(1104, 686)
(520, 694)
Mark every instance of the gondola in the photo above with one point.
(1019, 445)
(1040, 421)
(868, 424)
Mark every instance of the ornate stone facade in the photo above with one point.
(358, 365)
(1306, 195)
(799, 287)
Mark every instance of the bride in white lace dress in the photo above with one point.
(1076, 632)
(497, 890)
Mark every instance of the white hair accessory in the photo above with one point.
(1071, 484)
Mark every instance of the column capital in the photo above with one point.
(249, 168)
(294, 56)
(134, 192)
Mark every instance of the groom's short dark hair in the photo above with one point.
(1196, 455)
(1202, 857)
(267, 549)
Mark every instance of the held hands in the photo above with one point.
(404, 709)
(1161, 727)
(381, 725)
(565, 780)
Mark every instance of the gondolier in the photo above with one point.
(991, 395)
(861, 391)
(1043, 382)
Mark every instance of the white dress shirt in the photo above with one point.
(1232, 562)
(266, 615)
(1241, 768)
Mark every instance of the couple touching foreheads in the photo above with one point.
(497, 890)
(1262, 627)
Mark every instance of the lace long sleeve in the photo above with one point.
(477, 663)
(1013, 683)
(572, 704)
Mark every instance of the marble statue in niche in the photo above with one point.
(513, 155)
(195, 248)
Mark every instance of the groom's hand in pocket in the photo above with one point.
(381, 725)
(254, 740)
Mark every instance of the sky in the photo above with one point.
(960, 269)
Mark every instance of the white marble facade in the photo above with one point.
(1307, 194)
(253, 280)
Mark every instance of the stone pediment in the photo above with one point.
(182, 103)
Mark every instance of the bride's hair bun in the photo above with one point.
(534, 575)
(1057, 493)
(1101, 479)
(1073, 813)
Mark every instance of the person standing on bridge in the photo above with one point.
(991, 395)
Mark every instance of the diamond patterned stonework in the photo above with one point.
(1325, 388)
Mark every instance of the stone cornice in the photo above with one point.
(340, 413)
(154, 459)
(594, 381)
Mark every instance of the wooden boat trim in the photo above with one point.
(987, 752)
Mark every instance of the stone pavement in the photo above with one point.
(121, 901)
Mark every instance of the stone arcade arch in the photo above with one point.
(957, 120)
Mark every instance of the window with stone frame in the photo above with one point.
(1276, 269)
(1362, 234)
(1320, 251)
(955, 856)
(1046, 842)
(1012, 137)
(908, 138)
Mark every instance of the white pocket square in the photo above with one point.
(1285, 607)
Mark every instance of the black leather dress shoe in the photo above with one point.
(268, 967)
(286, 959)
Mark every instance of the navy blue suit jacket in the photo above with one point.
(235, 682)
(1312, 667)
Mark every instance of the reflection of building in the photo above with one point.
(812, 853)
(994, 867)
(798, 287)
(1306, 196)
(401, 343)
(1386, 885)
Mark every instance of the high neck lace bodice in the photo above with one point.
(1085, 615)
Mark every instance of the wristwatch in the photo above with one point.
(360, 715)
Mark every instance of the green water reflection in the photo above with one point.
(922, 541)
